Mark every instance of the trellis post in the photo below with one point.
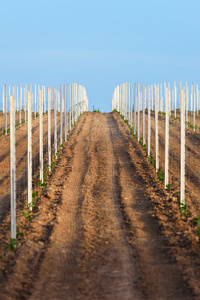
(41, 134)
(12, 167)
(55, 123)
(166, 137)
(156, 129)
(182, 167)
(29, 156)
(149, 120)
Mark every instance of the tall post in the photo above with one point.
(129, 104)
(126, 101)
(61, 122)
(197, 105)
(5, 102)
(20, 104)
(166, 137)
(143, 102)
(131, 95)
(138, 111)
(72, 107)
(175, 98)
(120, 91)
(41, 134)
(35, 99)
(152, 97)
(29, 154)
(65, 114)
(12, 167)
(25, 100)
(149, 120)
(49, 126)
(135, 107)
(186, 99)
(182, 167)
(69, 106)
(156, 129)
(194, 106)
(161, 98)
(55, 123)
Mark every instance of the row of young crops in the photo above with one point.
(33, 130)
(169, 133)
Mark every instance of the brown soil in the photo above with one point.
(104, 228)
(21, 160)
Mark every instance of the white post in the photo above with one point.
(131, 95)
(161, 98)
(65, 114)
(152, 97)
(55, 123)
(25, 100)
(143, 102)
(72, 108)
(120, 99)
(149, 120)
(194, 106)
(69, 106)
(186, 98)
(166, 137)
(61, 123)
(156, 129)
(129, 104)
(20, 104)
(197, 89)
(12, 167)
(49, 126)
(17, 105)
(182, 189)
(35, 99)
(135, 107)
(138, 109)
(126, 101)
(29, 153)
(45, 106)
(41, 134)
(175, 98)
(5, 101)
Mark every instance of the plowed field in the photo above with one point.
(104, 228)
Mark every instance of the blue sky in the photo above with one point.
(99, 44)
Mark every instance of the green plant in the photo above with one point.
(34, 195)
(183, 209)
(11, 246)
(19, 233)
(98, 111)
(27, 214)
(141, 141)
(42, 184)
(168, 186)
(61, 145)
(151, 160)
(160, 175)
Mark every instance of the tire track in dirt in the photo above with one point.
(106, 262)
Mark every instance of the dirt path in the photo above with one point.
(106, 242)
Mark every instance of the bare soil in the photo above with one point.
(104, 228)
